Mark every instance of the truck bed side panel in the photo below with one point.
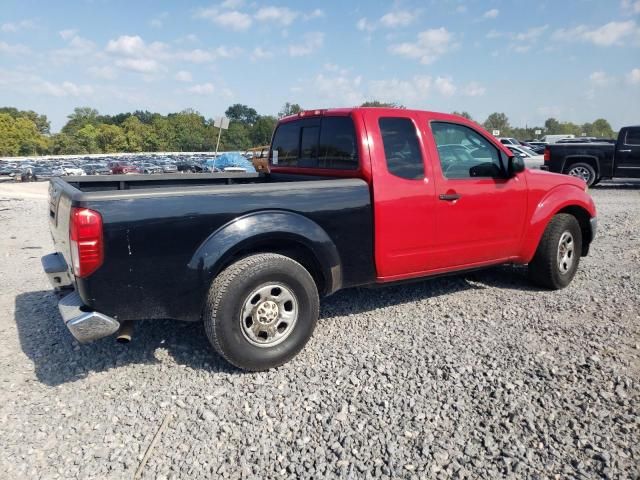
(150, 239)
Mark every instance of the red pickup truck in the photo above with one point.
(353, 197)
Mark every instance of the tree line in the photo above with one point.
(87, 131)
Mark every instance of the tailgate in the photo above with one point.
(59, 214)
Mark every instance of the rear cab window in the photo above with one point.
(318, 142)
(633, 136)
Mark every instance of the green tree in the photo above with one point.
(242, 113)
(466, 115)
(498, 121)
(163, 135)
(42, 124)
(602, 128)
(189, 130)
(87, 138)
(262, 130)
(289, 109)
(236, 137)
(9, 144)
(378, 103)
(80, 117)
(111, 138)
(134, 131)
(552, 126)
(65, 144)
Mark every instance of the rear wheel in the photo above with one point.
(558, 255)
(261, 311)
(584, 171)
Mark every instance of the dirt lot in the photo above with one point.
(474, 376)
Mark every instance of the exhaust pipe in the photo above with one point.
(125, 332)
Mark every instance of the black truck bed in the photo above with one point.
(167, 236)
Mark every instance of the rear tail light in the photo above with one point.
(547, 155)
(87, 246)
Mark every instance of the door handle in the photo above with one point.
(449, 197)
(625, 151)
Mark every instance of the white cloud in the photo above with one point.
(13, 27)
(232, 4)
(461, 9)
(444, 86)
(197, 56)
(317, 13)
(365, 25)
(411, 91)
(105, 72)
(158, 20)
(126, 45)
(183, 76)
(310, 43)
(202, 89)
(338, 89)
(429, 46)
(400, 18)
(14, 49)
(600, 79)
(279, 15)
(260, 53)
(531, 34)
(493, 13)
(631, 6)
(64, 89)
(474, 89)
(231, 19)
(634, 76)
(76, 47)
(140, 65)
(612, 33)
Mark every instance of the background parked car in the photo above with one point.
(530, 157)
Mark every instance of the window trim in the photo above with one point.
(502, 157)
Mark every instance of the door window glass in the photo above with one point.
(633, 136)
(465, 153)
(401, 148)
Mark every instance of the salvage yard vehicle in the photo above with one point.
(593, 162)
(354, 197)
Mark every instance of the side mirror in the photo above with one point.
(516, 165)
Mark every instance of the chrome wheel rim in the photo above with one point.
(269, 314)
(566, 252)
(581, 172)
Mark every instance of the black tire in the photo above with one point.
(546, 269)
(228, 295)
(584, 171)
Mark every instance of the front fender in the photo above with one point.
(559, 198)
(268, 225)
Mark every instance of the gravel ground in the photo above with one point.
(478, 376)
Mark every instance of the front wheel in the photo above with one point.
(584, 171)
(558, 255)
(261, 311)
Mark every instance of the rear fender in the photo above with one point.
(560, 198)
(268, 226)
(590, 159)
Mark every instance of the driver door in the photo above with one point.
(480, 211)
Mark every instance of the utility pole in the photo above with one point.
(222, 123)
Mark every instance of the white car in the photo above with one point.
(509, 141)
(69, 169)
(531, 158)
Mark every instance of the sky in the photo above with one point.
(575, 60)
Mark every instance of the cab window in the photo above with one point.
(327, 142)
(401, 148)
(464, 153)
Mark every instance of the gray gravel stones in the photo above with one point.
(474, 376)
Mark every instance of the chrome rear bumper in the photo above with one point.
(85, 326)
